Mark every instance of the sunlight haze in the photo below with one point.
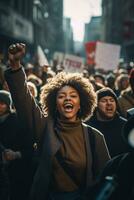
(80, 12)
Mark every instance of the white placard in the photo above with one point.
(73, 63)
(107, 55)
(42, 59)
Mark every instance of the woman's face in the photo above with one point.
(68, 103)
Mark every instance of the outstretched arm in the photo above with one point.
(26, 107)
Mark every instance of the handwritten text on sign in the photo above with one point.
(73, 63)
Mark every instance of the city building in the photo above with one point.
(118, 25)
(93, 29)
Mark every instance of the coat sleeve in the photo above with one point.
(27, 109)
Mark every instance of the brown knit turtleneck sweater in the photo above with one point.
(73, 154)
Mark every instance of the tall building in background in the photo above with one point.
(68, 36)
(15, 23)
(118, 25)
(93, 29)
(48, 25)
(34, 22)
(54, 26)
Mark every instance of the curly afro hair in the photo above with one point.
(78, 82)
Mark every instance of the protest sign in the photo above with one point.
(107, 55)
(90, 48)
(42, 59)
(73, 63)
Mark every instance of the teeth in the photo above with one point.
(68, 106)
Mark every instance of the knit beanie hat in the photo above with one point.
(106, 91)
(5, 97)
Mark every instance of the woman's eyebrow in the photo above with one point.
(60, 92)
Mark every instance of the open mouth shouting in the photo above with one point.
(68, 107)
(68, 103)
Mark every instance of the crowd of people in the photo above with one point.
(61, 134)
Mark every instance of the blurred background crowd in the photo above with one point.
(50, 44)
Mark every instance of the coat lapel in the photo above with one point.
(89, 156)
(53, 141)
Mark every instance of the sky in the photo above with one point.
(80, 12)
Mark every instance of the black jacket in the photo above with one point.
(112, 131)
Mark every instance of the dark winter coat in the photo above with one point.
(13, 136)
(112, 131)
(47, 139)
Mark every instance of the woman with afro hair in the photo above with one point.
(70, 159)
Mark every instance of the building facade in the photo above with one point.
(34, 22)
(93, 29)
(15, 23)
(118, 25)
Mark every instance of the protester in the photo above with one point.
(1, 78)
(29, 69)
(68, 161)
(110, 81)
(126, 99)
(107, 120)
(33, 89)
(16, 150)
(96, 85)
(121, 83)
(99, 78)
(117, 179)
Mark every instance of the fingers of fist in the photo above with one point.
(15, 48)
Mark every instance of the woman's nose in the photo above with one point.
(68, 97)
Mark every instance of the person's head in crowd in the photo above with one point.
(81, 97)
(3, 83)
(85, 74)
(50, 73)
(99, 78)
(110, 80)
(2, 79)
(96, 85)
(34, 79)
(32, 88)
(107, 104)
(131, 79)
(5, 102)
(122, 82)
(28, 68)
(122, 71)
(59, 68)
(129, 67)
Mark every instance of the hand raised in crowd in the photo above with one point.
(9, 155)
(15, 54)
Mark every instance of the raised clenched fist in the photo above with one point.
(15, 54)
